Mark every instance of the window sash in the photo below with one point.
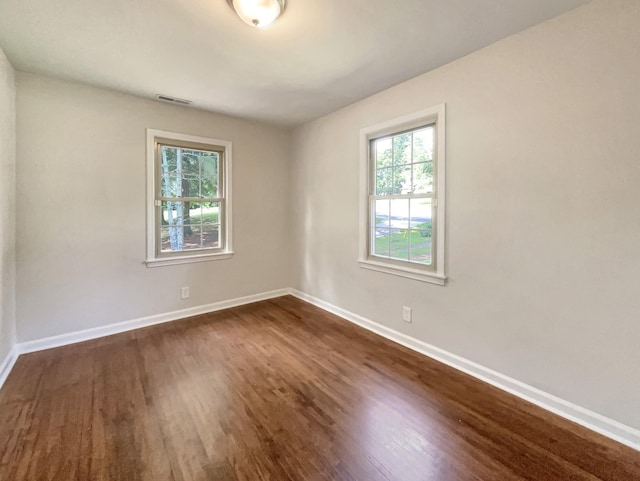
(396, 133)
(159, 143)
(372, 171)
(371, 232)
(221, 235)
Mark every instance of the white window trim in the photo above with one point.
(152, 259)
(434, 114)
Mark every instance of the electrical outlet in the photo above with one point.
(406, 314)
(184, 292)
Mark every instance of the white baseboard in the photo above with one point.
(596, 422)
(7, 364)
(96, 332)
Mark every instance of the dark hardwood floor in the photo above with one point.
(278, 390)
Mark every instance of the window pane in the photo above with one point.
(174, 213)
(399, 213)
(168, 158)
(384, 181)
(421, 246)
(210, 236)
(421, 213)
(383, 153)
(186, 213)
(402, 179)
(381, 209)
(421, 235)
(174, 238)
(190, 162)
(209, 164)
(423, 145)
(399, 248)
(171, 185)
(210, 212)
(195, 213)
(402, 149)
(209, 187)
(380, 242)
(192, 238)
(423, 177)
(177, 160)
(190, 185)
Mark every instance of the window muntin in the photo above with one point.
(402, 196)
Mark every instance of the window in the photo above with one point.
(188, 197)
(402, 213)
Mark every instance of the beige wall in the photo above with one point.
(543, 248)
(7, 205)
(81, 209)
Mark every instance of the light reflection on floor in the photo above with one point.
(387, 424)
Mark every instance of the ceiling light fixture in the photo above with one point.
(258, 13)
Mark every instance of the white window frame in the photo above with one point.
(434, 274)
(154, 258)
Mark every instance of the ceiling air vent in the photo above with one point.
(173, 100)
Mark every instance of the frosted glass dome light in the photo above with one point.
(258, 13)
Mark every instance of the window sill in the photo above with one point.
(172, 261)
(408, 272)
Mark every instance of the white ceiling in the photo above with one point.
(319, 56)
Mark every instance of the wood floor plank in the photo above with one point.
(277, 391)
